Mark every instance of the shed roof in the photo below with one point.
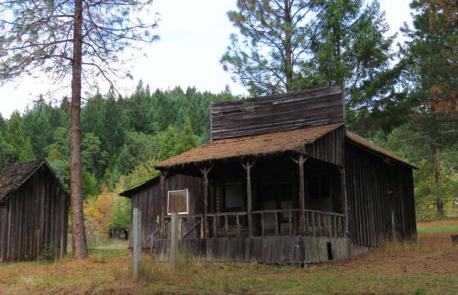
(14, 175)
(130, 192)
(355, 138)
(254, 145)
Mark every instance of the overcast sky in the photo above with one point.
(193, 37)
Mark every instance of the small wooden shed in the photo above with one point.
(33, 212)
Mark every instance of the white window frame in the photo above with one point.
(187, 201)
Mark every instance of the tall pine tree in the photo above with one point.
(272, 43)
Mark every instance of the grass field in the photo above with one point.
(427, 267)
(438, 226)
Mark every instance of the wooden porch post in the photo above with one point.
(300, 161)
(248, 165)
(343, 189)
(163, 201)
(205, 171)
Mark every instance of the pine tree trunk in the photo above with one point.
(288, 47)
(437, 174)
(78, 233)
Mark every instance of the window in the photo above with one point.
(178, 201)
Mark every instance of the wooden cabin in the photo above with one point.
(281, 181)
(33, 212)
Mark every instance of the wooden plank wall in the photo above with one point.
(34, 218)
(148, 200)
(307, 108)
(329, 148)
(271, 250)
(374, 189)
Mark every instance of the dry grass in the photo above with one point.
(427, 267)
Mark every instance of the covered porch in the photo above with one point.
(274, 193)
(282, 195)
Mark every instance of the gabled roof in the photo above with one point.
(13, 176)
(263, 144)
(355, 138)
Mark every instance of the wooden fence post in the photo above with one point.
(174, 241)
(136, 242)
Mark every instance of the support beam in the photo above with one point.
(300, 161)
(205, 171)
(163, 202)
(248, 165)
(343, 191)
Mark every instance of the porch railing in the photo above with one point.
(266, 223)
(317, 223)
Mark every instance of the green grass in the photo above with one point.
(428, 267)
(438, 229)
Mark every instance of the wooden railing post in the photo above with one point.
(248, 165)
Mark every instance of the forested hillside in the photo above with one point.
(122, 137)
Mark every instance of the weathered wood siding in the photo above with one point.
(377, 189)
(34, 219)
(272, 250)
(329, 148)
(307, 108)
(148, 200)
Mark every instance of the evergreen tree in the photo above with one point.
(272, 44)
(17, 146)
(432, 52)
(351, 50)
(432, 57)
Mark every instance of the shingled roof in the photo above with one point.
(263, 144)
(14, 175)
(269, 143)
(355, 138)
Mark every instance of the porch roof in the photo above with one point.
(263, 144)
(270, 143)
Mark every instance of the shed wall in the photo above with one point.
(380, 199)
(34, 219)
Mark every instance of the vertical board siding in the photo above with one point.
(328, 148)
(148, 201)
(289, 111)
(34, 218)
(374, 189)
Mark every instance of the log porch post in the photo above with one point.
(248, 165)
(205, 171)
(343, 189)
(163, 201)
(300, 161)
